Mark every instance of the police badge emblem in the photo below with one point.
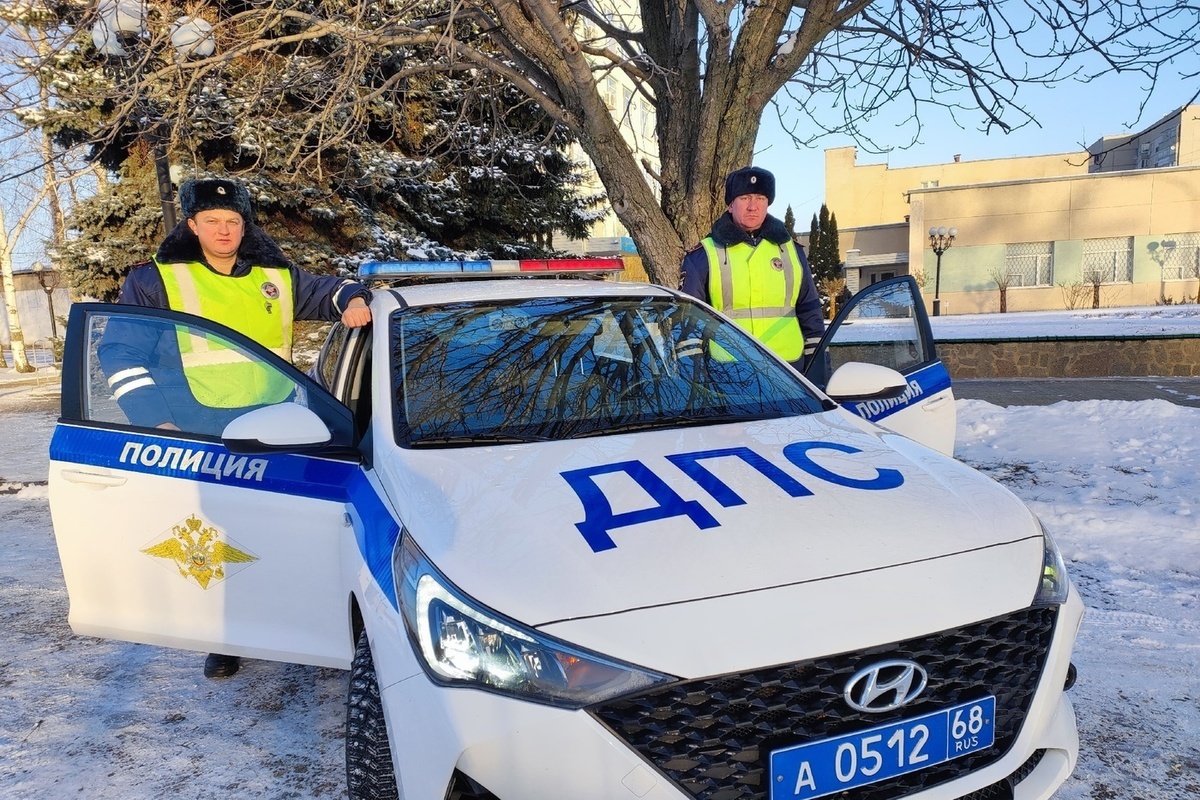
(777, 263)
(270, 291)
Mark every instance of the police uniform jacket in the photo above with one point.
(150, 362)
(694, 278)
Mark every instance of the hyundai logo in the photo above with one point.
(885, 686)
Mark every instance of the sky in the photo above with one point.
(1070, 117)
(1116, 483)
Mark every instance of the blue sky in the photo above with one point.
(1071, 117)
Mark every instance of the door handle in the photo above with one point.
(101, 480)
(935, 403)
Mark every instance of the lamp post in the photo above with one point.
(940, 240)
(121, 27)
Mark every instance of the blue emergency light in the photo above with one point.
(380, 270)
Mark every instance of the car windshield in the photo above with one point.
(568, 367)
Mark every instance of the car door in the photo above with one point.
(886, 324)
(169, 537)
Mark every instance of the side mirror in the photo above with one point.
(284, 426)
(857, 381)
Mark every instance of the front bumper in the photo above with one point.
(697, 745)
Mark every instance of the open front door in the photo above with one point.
(166, 536)
(886, 324)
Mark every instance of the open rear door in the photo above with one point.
(886, 324)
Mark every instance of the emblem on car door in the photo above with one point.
(885, 686)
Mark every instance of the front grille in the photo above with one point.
(712, 736)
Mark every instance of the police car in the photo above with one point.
(586, 539)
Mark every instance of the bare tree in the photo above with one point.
(1095, 279)
(709, 69)
(1072, 294)
(1002, 278)
(832, 288)
(8, 243)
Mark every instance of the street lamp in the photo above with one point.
(940, 240)
(120, 27)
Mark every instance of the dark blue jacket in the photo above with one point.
(693, 278)
(132, 352)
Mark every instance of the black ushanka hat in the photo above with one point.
(202, 195)
(749, 180)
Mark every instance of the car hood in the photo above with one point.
(555, 531)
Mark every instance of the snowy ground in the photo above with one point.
(1117, 483)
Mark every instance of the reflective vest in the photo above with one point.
(758, 287)
(258, 305)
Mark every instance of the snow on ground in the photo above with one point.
(1129, 321)
(1116, 483)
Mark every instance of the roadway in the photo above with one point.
(1044, 391)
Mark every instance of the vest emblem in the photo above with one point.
(270, 291)
(777, 264)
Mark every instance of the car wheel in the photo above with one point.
(369, 771)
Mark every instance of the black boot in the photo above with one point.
(220, 666)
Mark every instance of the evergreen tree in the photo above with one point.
(789, 222)
(445, 167)
(825, 258)
(823, 254)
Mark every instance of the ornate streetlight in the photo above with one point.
(940, 240)
(119, 31)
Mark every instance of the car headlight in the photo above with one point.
(462, 642)
(1054, 586)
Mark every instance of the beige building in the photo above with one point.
(1121, 218)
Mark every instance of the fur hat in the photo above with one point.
(201, 195)
(749, 180)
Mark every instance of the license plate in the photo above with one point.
(832, 765)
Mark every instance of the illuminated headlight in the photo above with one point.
(1052, 591)
(462, 642)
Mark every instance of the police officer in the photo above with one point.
(749, 269)
(217, 263)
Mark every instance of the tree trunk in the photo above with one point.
(15, 336)
(1003, 300)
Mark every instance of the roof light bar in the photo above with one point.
(380, 270)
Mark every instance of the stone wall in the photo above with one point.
(1090, 357)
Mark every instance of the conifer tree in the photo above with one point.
(451, 166)
(824, 257)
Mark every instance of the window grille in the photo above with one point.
(1030, 264)
(1108, 260)
(1181, 256)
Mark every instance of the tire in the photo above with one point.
(369, 771)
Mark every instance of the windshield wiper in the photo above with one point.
(479, 438)
(683, 421)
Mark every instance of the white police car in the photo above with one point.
(588, 540)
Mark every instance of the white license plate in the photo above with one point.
(827, 766)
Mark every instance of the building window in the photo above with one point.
(1030, 264)
(1180, 256)
(1108, 260)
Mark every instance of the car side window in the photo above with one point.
(331, 355)
(158, 373)
(881, 329)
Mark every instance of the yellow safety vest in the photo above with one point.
(758, 287)
(258, 305)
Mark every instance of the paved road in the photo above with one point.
(1044, 391)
